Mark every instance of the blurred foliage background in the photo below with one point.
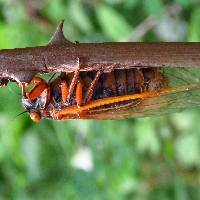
(148, 158)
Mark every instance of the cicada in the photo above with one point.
(119, 94)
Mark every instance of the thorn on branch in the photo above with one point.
(58, 36)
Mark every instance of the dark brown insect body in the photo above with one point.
(114, 84)
(92, 95)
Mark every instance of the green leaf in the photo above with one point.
(153, 7)
(146, 138)
(184, 3)
(114, 1)
(113, 24)
(194, 27)
(187, 150)
(56, 10)
(131, 4)
(5, 41)
(79, 16)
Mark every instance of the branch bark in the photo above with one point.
(63, 55)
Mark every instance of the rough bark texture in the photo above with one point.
(62, 55)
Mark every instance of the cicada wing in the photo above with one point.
(155, 105)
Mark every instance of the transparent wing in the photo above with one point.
(157, 105)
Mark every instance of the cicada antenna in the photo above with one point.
(20, 114)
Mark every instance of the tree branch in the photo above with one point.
(63, 55)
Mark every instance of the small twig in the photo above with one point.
(142, 29)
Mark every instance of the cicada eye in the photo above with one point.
(35, 117)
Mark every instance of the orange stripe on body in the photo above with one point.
(111, 100)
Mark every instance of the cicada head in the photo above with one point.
(33, 109)
(36, 100)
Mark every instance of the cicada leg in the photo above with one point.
(90, 90)
(76, 82)
(41, 85)
(64, 90)
(79, 93)
(23, 86)
(73, 82)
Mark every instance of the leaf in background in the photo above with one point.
(14, 11)
(131, 4)
(171, 29)
(113, 24)
(194, 27)
(153, 7)
(79, 16)
(56, 10)
(5, 41)
(184, 3)
(115, 1)
(31, 37)
(30, 148)
(187, 150)
(146, 138)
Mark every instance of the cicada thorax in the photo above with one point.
(76, 95)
